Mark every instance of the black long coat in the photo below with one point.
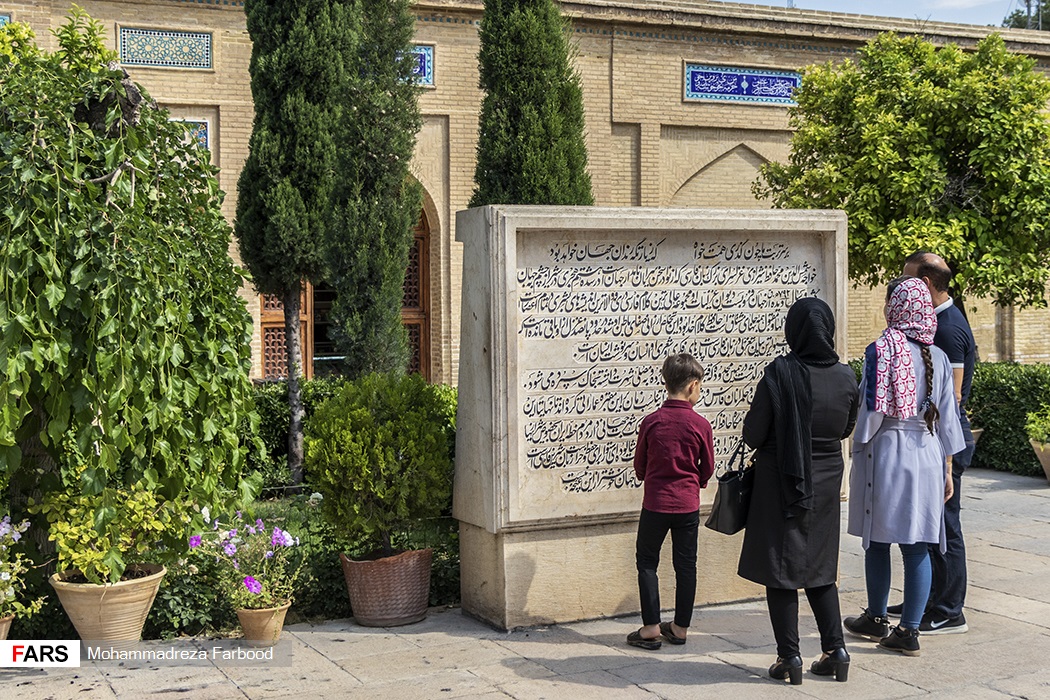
(803, 551)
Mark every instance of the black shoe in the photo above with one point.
(789, 668)
(635, 639)
(867, 627)
(668, 633)
(895, 610)
(933, 623)
(903, 640)
(836, 662)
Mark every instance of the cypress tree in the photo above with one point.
(530, 141)
(301, 53)
(378, 201)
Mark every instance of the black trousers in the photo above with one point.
(948, 588)
(783, 614)
(652, 530)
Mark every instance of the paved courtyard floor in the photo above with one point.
(1006, 653)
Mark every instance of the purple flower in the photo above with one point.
(230, 548)
(238, 515)
(259, 523)
(269, 555)
(233, 533)
(278, 537)
(251, 530)
(236, 565)
(195, 541)
(16, 535)
(252, 585)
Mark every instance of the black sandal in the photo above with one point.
(635, 639)
(669, 635)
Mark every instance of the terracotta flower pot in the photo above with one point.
(1042, 451)
(977, 433)
(390, 591)
(5, 626)
(262, 627)
(112, 612)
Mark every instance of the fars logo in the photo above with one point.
(39, 653)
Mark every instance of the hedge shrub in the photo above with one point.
(1003, 395)
(271, 403)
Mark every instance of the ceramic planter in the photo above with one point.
(5, 626)
(112, 612)
(262, 627)
(1042, 451)
(390, 591)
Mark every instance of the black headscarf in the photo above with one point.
(810, 332)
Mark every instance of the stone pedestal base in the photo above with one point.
(537, 577)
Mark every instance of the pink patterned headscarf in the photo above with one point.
(909, 314)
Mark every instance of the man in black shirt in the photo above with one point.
(944, 611)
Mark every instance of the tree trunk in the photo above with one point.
(294, 344)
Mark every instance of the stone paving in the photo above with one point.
(1005, 654)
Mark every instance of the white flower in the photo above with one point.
(206, 513)
(4, 576)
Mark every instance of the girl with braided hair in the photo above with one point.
(907, 430)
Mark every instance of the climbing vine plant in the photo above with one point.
(124, 349)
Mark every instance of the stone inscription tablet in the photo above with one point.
(590, 317)
(595, 320)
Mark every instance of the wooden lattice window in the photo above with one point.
(274, 351)
(415, 311)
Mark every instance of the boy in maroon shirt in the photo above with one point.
(674, 458)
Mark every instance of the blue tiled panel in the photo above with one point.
(424, 70)
(154, 47)
(198, 129)
(4, 19)
(727, 84)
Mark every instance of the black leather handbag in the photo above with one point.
(733, 497)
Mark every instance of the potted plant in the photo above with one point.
(1038, 428)
(13, 566)
(108, 574)
(380, 453)
(260, 569)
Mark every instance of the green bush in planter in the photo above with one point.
(1038, 425)
(380, 451)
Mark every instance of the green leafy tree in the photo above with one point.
(1035, 17)
(928, 148)
(299, 71)
(530, 136)
(377, 202)
(124, 356)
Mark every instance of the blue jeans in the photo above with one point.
(948, 589)
(917, 577)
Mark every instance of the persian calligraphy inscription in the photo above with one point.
(596, 318)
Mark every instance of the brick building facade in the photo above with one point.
(651, 144)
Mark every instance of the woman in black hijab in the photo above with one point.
(804, 406)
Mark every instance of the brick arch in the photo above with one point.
(416, 307)
(723, 181)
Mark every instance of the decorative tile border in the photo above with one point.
(165, 49)
(730, 84)
(424, 69)
(199, 129)
(5, 19)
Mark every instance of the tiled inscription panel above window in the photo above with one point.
(4, 19)
(165, 49)
(730, 84)
(424, 69)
